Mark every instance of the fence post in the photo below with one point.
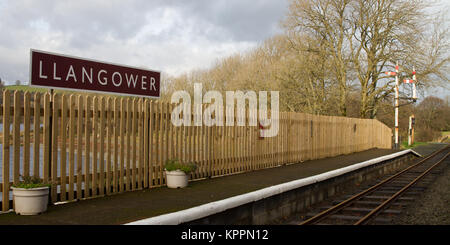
(49, 135)
(53, 166)
(5, 167)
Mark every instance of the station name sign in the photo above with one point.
(61, 71)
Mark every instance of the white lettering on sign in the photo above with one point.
(40, 70)
(54, 72)
(70, 73)
(120, 81)
(152, 83)
(131, 79)
(89, 76)
(104, 79)
(143, 82)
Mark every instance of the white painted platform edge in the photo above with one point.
(415, 152)
(211, 208)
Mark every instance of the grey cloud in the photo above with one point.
(93, 20)
(241, 20)
(108, 29)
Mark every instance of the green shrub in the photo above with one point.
(29, 182)
(172, 165)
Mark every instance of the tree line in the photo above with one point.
(332, 57)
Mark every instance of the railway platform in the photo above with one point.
(137, 205)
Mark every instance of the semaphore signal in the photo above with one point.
(396, 98)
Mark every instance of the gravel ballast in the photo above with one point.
(433, 206)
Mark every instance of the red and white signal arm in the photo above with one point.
(408, 81)
(390, 73)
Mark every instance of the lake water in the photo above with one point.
(41, 157)
(21, 127)
(41, 168)
(41, 161)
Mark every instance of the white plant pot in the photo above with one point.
(30, 201)
(176, 179)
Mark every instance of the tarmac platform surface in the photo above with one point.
(131, 206)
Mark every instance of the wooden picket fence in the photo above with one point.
(90, 146)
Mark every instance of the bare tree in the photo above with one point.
(383, 31)
(327, 22)
(430, 55)
(364, 38)
(303, 77)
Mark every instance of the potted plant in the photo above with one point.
(177, 173)
(30, 196)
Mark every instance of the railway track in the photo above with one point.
(379, 202)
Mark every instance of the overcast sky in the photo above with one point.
(172, 36)
(165, 35)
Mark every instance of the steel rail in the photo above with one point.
(356, 197)
(397, 194)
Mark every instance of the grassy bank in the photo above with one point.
(25, 88)
(405, 145)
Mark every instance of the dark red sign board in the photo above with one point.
(66, 72)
